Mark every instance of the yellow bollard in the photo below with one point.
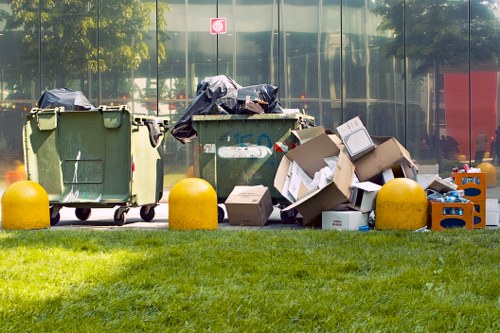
(192, 205)
(401, 204)
(25, 205)
(491, 173)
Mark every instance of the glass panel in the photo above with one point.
(485, 52)
(127, 54)
(372, 71)
(68, 46)
(19, 69)
(329, 68)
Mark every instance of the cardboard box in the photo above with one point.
(310, 156)
(442, 216)
(387, 153)
(492, 212)
(306, 134)
(364, 195)
(249, 205)
(355, 137)
(343, 220)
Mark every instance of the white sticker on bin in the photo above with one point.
(251, 151)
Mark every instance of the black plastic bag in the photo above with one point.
(221, 95)
(260, 98)
(64, 97)
(213, 96)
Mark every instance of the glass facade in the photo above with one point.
(425, 72)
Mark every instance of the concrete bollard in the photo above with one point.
(25, 205)
(192, 205)
(491, 173)
(401, 204)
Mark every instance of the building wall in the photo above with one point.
(335, 59)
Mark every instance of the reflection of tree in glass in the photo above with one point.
(436, 35)
(77, 37)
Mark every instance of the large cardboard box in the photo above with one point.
(310, 156)
(355, 137)
(387, 153)
(249, 205)
(343, 220)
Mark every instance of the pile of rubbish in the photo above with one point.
(222, 95)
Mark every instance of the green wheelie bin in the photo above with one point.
(104, 157)
(241, 149)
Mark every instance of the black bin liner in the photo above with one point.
(64, 97)
(222, 95)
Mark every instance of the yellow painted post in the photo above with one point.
(401, 204)
(25, 205)
(192, 205)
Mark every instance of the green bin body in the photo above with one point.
(244, 149)
(97, 158)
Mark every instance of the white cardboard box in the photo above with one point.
(364, 195)
(356, 138)
(343, 220)
(249, 205)
(492, 212)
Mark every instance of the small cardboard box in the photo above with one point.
(310, 156)
(364, 195)
(387, 153)
(249, 205)
(343, 220)
(355, 137)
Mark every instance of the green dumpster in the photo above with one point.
(98, 158)
(237, 149)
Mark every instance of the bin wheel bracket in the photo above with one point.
(55, 216)
(120, 216)
(147, 212)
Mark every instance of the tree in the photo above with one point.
(435, 34)
(82, 36)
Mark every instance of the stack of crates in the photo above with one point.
(474, 186)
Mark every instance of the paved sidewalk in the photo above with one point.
(102, 219)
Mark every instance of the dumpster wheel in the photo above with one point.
(147, 213)
(54, 215)
(120, 216)
(83, 214)
(220, 214)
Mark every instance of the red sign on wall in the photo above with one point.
(218, 25)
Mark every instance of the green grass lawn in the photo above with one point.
(249, 281)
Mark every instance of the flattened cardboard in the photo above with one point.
(311, 158)
(387, 153)
(249, 205)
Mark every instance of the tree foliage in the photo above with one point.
(74, 37)
(436, 32)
